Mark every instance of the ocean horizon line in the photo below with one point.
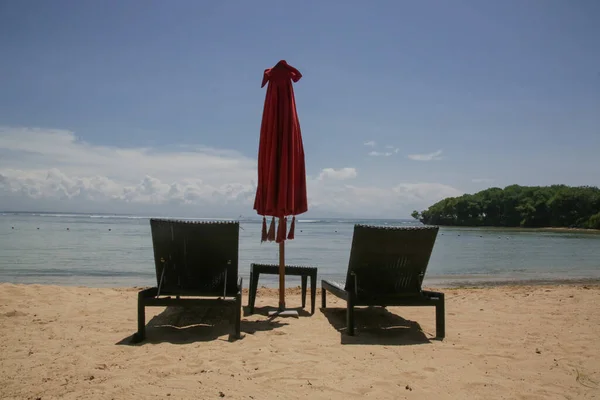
(229, 218)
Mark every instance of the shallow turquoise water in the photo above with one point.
(117, 251)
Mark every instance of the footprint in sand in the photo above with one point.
(277, 333)
(14, 313)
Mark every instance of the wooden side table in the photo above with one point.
(290, 270)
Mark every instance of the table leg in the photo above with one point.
(313, 292)
(250, 291)
(254, 289)
(304, 281)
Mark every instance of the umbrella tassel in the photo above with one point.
(281, 229)
(271, 233)
(263, 237)
(292, 228)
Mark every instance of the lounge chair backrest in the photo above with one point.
(196, 258)
(389, 260)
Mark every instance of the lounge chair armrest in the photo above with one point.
(334, 284)
(148, 292)
(355, 275)
(224, 272)
(434, 295)
(335, 288)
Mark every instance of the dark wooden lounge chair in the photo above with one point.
(386, 268)
(196, 265)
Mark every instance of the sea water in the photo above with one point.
(108, 250)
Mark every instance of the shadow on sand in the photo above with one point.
(179, 325)
(264, 311)
(376, 325)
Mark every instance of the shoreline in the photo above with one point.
(524, 229)
(446, 284)
(536, 282)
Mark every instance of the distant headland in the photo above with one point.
(552, 207)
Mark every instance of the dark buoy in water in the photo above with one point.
(109, 229)
(12, 227)
(67, 228)
(38, 229)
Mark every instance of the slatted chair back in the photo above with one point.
(195, 258)
(389, 261)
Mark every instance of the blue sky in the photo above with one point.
(154, 106)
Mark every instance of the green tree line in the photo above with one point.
(519, 206)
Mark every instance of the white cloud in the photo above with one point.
(51, 170)
(436, 155)
(380, 154)
(339, 174)
(370, 143)
(482, 180)
(390, 150)
(386, 202)
(45, 149)
(428, 193)
(53, 164)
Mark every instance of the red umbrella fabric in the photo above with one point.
(281, 189)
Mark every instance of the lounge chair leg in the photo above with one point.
(313, 294)
(440, 318)
(250, 292)
(304, 284)
(350, 317)
(141, 333)
(253, 289)
(323, 297)
(238, 316)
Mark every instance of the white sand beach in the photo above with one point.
(511, 342)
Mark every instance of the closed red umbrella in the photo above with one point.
(281, 189)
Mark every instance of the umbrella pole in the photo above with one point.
(281, 272)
